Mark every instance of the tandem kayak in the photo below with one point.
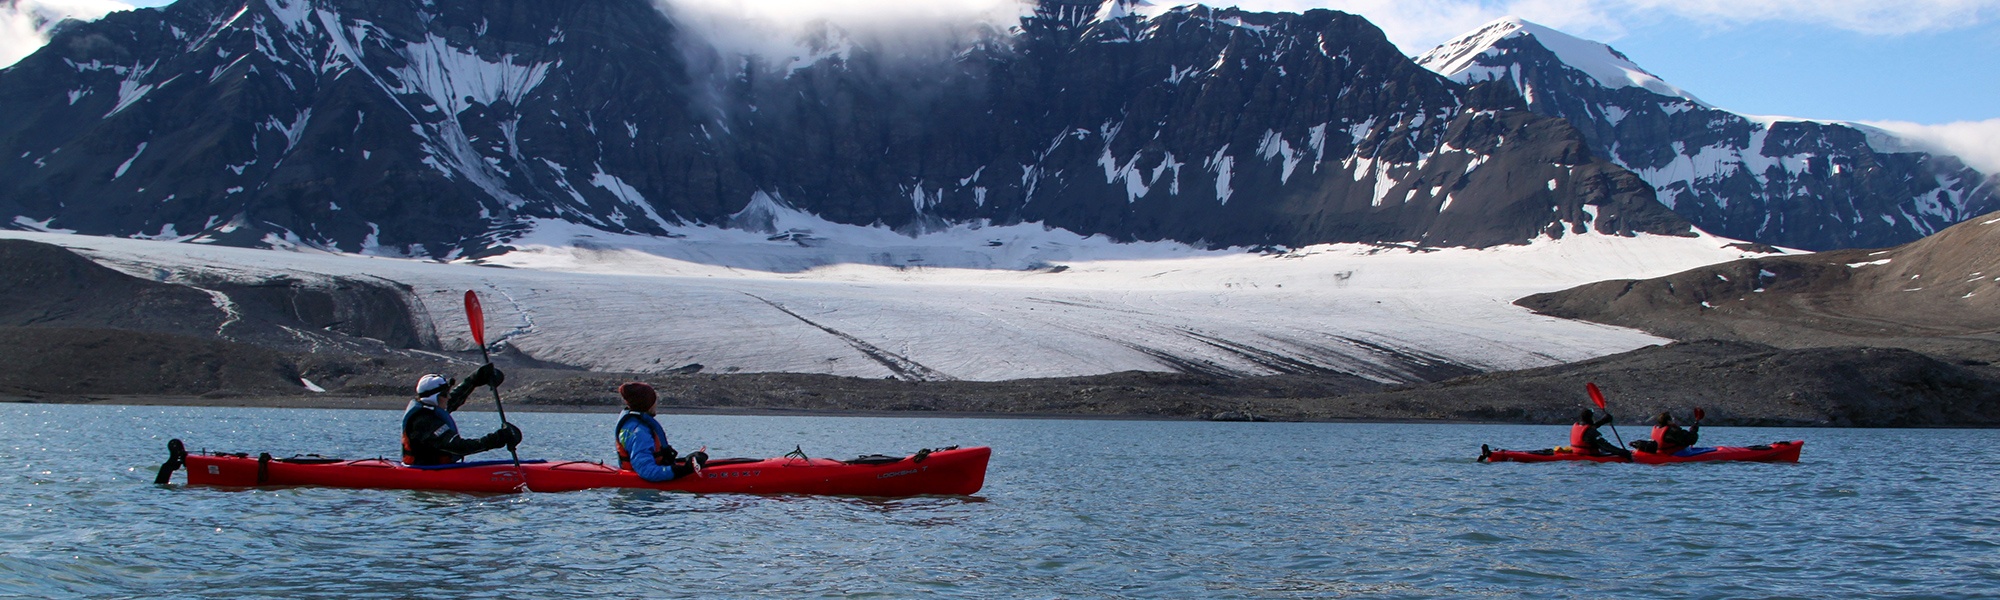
(1772, 452)
(950, 471)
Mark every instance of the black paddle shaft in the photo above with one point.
(501, 408)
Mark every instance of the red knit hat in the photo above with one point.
(638, 397)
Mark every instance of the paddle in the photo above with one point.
(1597, 396)
(477, 318)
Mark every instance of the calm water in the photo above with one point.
(1071, 509)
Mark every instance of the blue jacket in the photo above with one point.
(640, 436)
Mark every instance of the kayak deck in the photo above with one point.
(945, 471)
(1787, 451)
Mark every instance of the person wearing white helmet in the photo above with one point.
(430, 434)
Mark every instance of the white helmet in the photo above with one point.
(431, 384)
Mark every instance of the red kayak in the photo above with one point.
(950, 471)
(1772, 452)
(946, 471)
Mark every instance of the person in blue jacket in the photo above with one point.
(642, 442)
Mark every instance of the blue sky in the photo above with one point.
(1924, 61)
(1920, 61)
(1805, 70)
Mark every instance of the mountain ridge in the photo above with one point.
(309, 122)
(1800, 183)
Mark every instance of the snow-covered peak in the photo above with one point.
(1119, 9)
(25, 24)
(1458, 59)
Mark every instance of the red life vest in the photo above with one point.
(1576, 438)
(662, 453)
(1660, 440)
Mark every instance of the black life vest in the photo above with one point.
(433, 457)
(663, 454)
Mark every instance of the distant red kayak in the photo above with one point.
(948, 471)
(1772, 452)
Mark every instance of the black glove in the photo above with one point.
(486, 375)
(507, 436)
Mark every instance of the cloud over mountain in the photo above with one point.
(25, 24)
(1975, 142)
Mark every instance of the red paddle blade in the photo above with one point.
(476, 317)
(1595, 394)
(1697, 413)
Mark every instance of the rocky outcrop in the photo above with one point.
(50, 287)
(1940, 295)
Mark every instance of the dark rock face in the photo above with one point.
(445, 128)
(1801, 184)
(69, 362)
(49, 287)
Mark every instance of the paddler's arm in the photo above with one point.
(434, 433)
(1604, 421)
(486, 375)
(640, 444)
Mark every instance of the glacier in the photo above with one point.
(981, 302)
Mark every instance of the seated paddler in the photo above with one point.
(642, 442)
(1585, 439)
(430, 434)
(1669, 437)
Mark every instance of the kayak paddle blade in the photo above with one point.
(1697, 413)
(476, 317)
(1596, 395)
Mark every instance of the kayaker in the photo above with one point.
(1668, 437)
(1585, 439)
(642, 442)
(430, 434)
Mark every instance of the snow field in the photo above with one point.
(984, 303)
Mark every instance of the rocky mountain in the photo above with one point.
(448, 127)
(1807, 184)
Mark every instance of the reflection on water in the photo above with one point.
(1071, 509)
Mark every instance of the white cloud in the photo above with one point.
(24, 24)
(1975, 142)
(793, 13)
(796, 31)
